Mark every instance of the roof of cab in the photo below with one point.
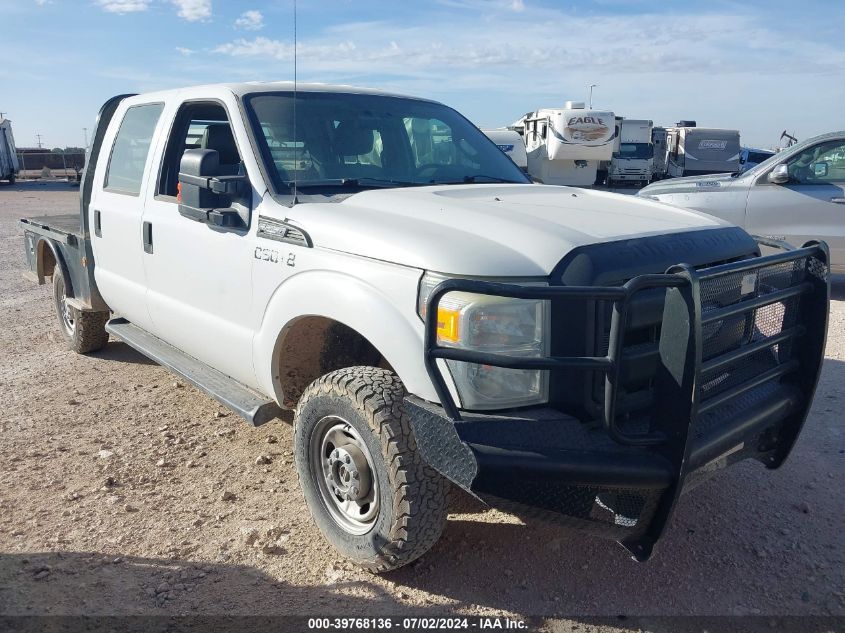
(242, 88)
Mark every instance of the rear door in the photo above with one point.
(810, 206)
(116, 208)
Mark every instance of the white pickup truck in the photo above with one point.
(376, 263)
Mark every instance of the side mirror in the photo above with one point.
(779, 175)
(820, 169)
(205, 193)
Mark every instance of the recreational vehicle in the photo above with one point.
(634, 158)
(8, 155)
(658, 140)
(696, 151)
(511, 143)
(565, 145)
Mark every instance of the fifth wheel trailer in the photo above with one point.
(511, 143)
(8, 155)
(694, 151)
(565, 145)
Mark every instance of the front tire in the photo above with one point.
(84, 332)
(367, 487)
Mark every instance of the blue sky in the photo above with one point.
(759, 66)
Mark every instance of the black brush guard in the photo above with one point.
(738, 357)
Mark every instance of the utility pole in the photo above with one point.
(38, 136)
(590, 100)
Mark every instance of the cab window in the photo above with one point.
(131, 146)
(822, 163)
(198, 126)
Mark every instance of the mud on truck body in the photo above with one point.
(431, 316)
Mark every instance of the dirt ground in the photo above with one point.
(126, 491)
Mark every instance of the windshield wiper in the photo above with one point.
(478, 178)
(352, 182)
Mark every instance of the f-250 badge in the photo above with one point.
(272, 256)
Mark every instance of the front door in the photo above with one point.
(199, 276)
(115, 212)
(810, 206)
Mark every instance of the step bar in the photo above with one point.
(254, 408)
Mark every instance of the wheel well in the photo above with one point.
(313, 346)
(46, 260)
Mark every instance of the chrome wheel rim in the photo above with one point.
(342, 466)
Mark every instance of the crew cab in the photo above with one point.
(374, 262)
(795, 195)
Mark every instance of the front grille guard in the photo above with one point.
(689, 386)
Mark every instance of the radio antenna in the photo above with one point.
(295, 146)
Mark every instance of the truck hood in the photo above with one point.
(486, 230)
(690, 184)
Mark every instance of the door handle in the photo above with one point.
(98, 229)
(838, 200)
(147, 231)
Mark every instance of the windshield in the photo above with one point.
(635, 150)
(345, 142)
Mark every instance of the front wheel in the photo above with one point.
(367, 487)
(84, 332)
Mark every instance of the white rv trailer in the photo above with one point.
(658, 140)
(634, 158)
(8, 153)
(565, 145)
(693, 151)
(511, 143)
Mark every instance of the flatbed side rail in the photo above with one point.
(64, 237)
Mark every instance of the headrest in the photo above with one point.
(352, 140)
(220, 137)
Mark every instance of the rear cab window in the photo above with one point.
(131, 148)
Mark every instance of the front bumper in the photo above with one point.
(735, 368)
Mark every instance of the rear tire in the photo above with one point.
(84, 332)
(367, 487)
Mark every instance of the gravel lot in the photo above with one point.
(125, 491)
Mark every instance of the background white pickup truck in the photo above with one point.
(794, 196)
(377, 263)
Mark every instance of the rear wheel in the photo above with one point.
(83, 331)
(369, 491)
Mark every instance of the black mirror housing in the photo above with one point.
(205, 192)
(195, 168)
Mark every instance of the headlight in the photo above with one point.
(497, 325)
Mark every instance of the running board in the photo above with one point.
(254, 408)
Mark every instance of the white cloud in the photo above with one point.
(124, 6)
(698, 65)
(187, 52)
(193, 10)
(517, 5)
(250, 21)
